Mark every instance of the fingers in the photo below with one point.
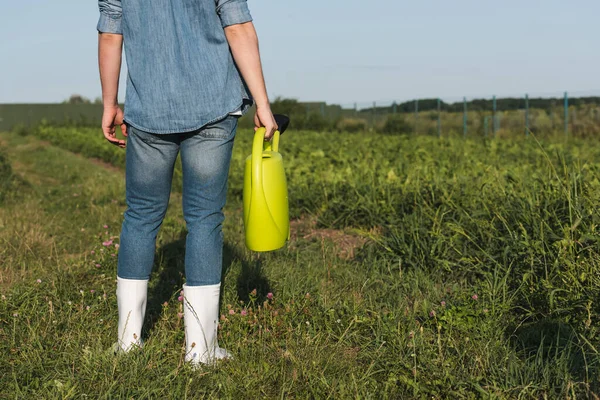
(109, 134)
(264, 118)
(124, 129)
(270, 129)
(111, 118)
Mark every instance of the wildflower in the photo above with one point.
(87, 308)
(166, 304)
(15, 314)
(93, 252)
(307, 295)
(485, 310)
(270, 296)
(117, 246)
(3, 297)
(180, 298)
(105, 226)
(475, 297)
(39, 281)
(181, 293)
(339, 321)
(92, 291)
(231, 312)
(443, 303)
(253, 293)
(69, 302)
(107, 243)
(243, 313)
(432, 313)
(104, 296)
(307, 323)
(179, 315)
(81, 292)
(98, 265)
(113, 255)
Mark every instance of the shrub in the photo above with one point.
(352, 125)
(21, 129)
(396, 124)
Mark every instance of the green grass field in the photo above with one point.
(418, 268)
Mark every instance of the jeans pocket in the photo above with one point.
(146, 137)
(222, 129)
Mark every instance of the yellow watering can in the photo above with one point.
(266, 212)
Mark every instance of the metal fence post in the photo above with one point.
(494, 127)
(566, 114)
(526, 115)
(551, 115)
(464, 117)
(373, 114)
(439, 117)
(416, 115)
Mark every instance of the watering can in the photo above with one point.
(266, 212)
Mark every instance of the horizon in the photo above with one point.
(456, 100)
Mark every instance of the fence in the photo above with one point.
(576, 113)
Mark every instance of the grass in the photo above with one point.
(479, 276)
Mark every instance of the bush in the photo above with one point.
(352, 125)
(316, 122)
(20, 129)
(396, 124)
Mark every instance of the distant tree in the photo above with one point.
(78, 99)
(98, 100)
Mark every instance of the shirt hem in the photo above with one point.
(188, 130)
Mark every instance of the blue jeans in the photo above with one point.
(150, 159)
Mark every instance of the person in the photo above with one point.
(193, 68)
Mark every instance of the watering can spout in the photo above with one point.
(266, 212)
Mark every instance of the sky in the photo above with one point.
(341, 51)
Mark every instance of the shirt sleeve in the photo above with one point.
(233, 12)
(110, 16)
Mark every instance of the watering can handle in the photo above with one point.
(258, 145)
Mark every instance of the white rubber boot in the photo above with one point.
(131, 298)
(201, 319)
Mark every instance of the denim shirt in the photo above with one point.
(181, 74)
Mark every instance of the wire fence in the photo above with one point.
(570, 113)
(575, 113)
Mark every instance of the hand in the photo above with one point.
(112, 117)
(264, 118)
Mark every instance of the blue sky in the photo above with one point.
(342, 51)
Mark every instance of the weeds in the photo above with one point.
(476, 275)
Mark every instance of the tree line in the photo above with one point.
(504, 104)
